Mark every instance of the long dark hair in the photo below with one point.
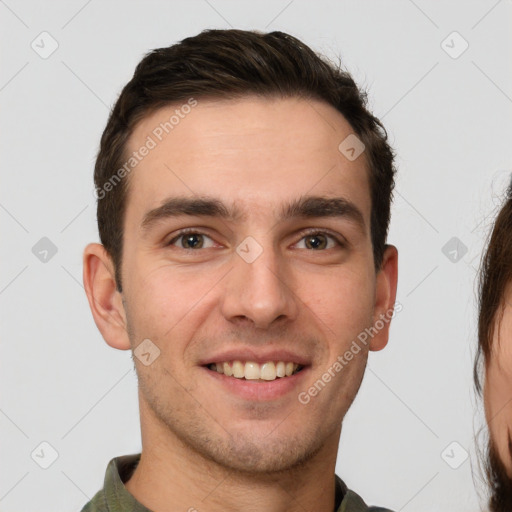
(495, 275)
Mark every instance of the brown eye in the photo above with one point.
(316, 242)
(320, 241)
(191, 240)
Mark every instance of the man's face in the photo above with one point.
(266, 285)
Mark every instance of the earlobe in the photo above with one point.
(385, 296)
(104, 299)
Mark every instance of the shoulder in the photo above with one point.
(114, 496)
(352, 502)
(97, 504)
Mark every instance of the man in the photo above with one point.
(243, 206)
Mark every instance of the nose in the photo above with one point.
(260, 292)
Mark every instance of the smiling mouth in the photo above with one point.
(251, 370)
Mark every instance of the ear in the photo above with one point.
(385, 296)
(104, 299)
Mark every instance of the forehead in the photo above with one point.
(255, 152)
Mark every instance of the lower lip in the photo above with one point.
(257, 390)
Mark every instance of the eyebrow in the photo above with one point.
(304, 207)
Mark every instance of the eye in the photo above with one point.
(318, 240)
(191, 240)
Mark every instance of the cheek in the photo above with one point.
(342, 299)
(165, 300)
(169, 302)
(498, 408)
(498, 379)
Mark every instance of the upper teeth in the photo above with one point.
(251, 370)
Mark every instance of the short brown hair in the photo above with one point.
(230, 64)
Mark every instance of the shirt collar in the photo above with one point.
(116, 497)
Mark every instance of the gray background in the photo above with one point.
(450, 120)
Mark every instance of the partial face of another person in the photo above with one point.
(498, 383)
(277, 269)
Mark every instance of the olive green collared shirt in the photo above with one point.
(114, 497)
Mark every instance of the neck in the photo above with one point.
(172, 476)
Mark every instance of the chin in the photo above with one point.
(250, 451)
(248, 456)
(253, 447)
